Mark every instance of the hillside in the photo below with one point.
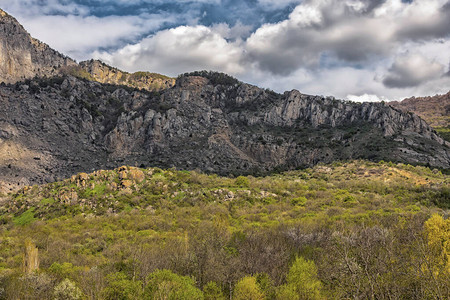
(103, 73)
(92, 116)
(434, 110)
(23, 57)
(53, 128)
(363, 227)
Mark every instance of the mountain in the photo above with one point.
(435, 110)
(53, 127)
(22, 56)
(103, 73)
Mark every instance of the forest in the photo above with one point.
(347, 230)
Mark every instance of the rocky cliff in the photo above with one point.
(22, 56)
(103, 73)
(53, 128)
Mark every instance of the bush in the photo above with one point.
(121, 288)
(67, 290)
(302, 281)
(213, 292)
(164, 284)
(247, 289)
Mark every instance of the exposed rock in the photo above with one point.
(52, 128)
(227, 129)
(136, 175)
(22, 56)
(103, 73)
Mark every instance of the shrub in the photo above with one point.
(67, 290)
(247, 289)
(164, 284)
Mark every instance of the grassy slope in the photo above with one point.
(220, 229)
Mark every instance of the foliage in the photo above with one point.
(346, 230)
(164, 284)
(437, 231)
(25, 218)
(247, 289)
(213, 292)
(302, 279)
(67, 290)
(119, 287)
(216, 78)
(444, 132)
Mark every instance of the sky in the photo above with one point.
(360, 50)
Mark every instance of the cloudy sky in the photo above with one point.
(351, 49)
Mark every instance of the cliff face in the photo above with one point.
(53, 128)
(23, 57)
(143, 80)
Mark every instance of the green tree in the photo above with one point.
(121, 288)
(213, 292)
(301, 281)
(164, 284)
(247, 289)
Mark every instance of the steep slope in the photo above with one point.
(22, 56)
(53, 128)
(435, 109)
(103, 73)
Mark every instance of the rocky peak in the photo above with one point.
(22, 56)
(54, 127)
(103, 73)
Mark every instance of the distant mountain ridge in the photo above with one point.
(433, 109)
(71, 118)
(23, 57)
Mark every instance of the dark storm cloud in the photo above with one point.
(351, 31)
(436, 26)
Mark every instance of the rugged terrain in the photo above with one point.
(22, 56)
(103, 73)
(435, 109)
(70, 118)
(52, 128)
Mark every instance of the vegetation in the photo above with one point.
(78, 72)
(346, 230)
(444, 132)
(216, 78)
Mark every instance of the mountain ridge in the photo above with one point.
(53, 127)
(434, 109)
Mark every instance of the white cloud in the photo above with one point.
(179, 50)
(78, 36)
(238, 31)
(353, 31)
(364, 98)
(32, 8)
(352, 49)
